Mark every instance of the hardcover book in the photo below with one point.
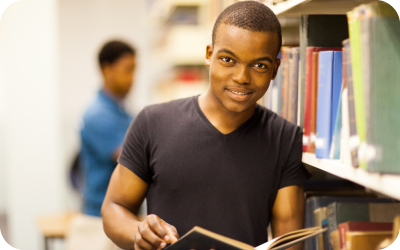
(201, 239)
(329, 87)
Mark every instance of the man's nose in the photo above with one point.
(241, 74)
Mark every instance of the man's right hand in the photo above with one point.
(154, 233)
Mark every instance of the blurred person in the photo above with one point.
(105, 123)
(219, 160)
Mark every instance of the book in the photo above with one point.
(310, 100)
(285, 81)
(335, 240)
(354, 226)
(329, 87)
(317, 31)
(293, 85)
(202, 239)
(320, 214)
(357, 72)
(353, 139)
(366, 240)
(383, 139)
(325, 235)
(337, 126)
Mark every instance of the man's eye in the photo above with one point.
(226, 59)
(260, 66)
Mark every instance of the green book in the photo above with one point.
(383, 137)
(356, 61)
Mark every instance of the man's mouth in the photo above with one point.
(239, 93)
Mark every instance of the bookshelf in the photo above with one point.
(299, 7)
(386, 184)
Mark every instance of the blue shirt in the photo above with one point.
(104, 126)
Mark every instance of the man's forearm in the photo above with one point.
(282, 228)
(120, 225)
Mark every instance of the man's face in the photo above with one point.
(121, 74)
(242, 64)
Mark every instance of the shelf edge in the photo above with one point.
(387, 184)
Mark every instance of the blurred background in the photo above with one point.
(49, 74)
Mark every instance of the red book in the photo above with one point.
(310, 99)
(353, 226)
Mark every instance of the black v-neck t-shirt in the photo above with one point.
(199, 176)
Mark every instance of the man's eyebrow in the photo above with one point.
(226, 51)
(266, 58)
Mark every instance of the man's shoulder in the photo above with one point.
(171, 108)
(276, 122)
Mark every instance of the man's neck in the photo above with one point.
(112, 93)
(222, 119)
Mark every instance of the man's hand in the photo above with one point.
(154, 233)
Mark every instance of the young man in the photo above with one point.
(219, 160)
(105, 123)
(104, 126)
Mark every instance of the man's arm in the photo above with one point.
(288, 212)
(124, 196)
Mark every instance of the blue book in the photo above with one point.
(335, 148)
(330, 77)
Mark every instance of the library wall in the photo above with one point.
(84, 28)
(31, 132)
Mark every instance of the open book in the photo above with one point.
(201, 239)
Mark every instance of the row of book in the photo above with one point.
(345, 96)
(352, 222)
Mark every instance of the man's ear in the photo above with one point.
(276, 67)
(209, 51)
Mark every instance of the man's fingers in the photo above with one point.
(158, 226)
(172, 233)
(147, 234)
(142, 244)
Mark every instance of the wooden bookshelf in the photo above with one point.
(386, 184)
(300, 7)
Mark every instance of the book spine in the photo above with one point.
(314, 99)
(325, 71)
(353, 137)
(294, 72)
(332, 218)
(337, 80)
(356, 58)
(343, 229)
(285, 81)
(302, 67)
(308, 101)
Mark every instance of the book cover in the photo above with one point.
(201, 239)
(366, 240)
(354, 226)
(356, 62)
(285, 81)
(335, 147)
(383, 138)
(329, 86)
(320, 214)
(293, 85)
(354, 140)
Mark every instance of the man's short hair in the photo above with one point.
(249, 15)
(113, 50)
